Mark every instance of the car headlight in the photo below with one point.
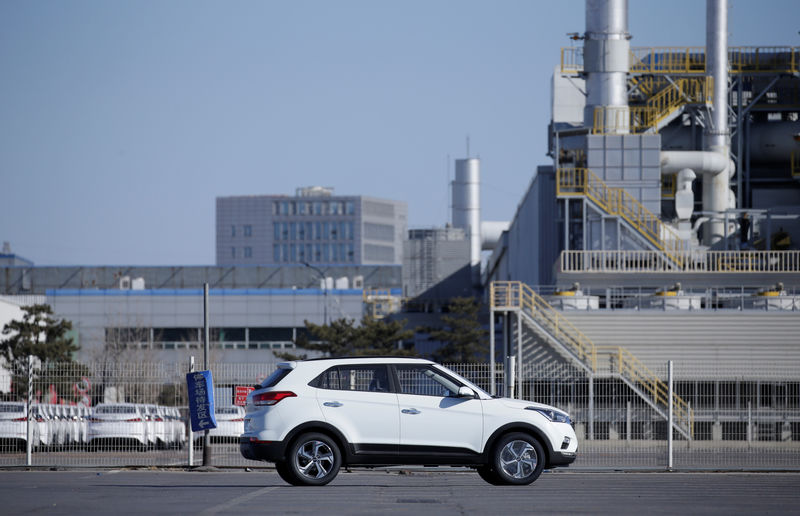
(553, 415)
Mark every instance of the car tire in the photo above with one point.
(486, 473)
(518, 459)
(283, 471)
(313, 459)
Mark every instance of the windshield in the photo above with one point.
(478, 390)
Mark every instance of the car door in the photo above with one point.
(433, 418)
(358, 400)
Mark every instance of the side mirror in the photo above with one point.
(465, 392)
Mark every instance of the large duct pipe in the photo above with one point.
(467, 209)
(606, 62)
(716, 187)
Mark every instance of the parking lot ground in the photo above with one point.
(121, 492)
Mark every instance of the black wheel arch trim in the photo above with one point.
(322, 427)
(518, 427)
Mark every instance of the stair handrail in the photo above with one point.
(633, 369)
(617, 201)
(518, 295)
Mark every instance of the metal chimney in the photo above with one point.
(717, 196)
(466, 211)
(606, 50)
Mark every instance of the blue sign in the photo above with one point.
(201, 400)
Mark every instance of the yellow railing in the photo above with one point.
(515, 295)
(668, 185)
(635, 262)
(692, 60)
(764, 59)
(638, 119)
(630, 367)
(512, 295)
(572, 182)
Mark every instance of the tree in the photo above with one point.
(41, 335)
(342, 338)
(381, 337)
(462, 333)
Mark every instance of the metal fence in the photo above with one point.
(112, 415)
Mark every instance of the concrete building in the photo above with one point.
(314, 226)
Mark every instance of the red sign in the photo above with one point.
(241, 393)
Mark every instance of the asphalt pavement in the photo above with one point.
(413, 492)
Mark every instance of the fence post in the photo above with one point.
(492, 386)
(28, 426)
(669, 417)
(191, 433)
(628, 421)
(591, 407)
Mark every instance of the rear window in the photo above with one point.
(273, 379)
(11, 408)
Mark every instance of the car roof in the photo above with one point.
(367, 358)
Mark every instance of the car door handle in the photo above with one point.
(332, 404)
(410, 411)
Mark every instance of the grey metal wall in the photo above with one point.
(705, 345)
(37, 280)
(91, 312)
(531, 245)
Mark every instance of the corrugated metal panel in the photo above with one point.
(746, 344)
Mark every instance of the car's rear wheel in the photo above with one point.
(314, 459)
(518, 459)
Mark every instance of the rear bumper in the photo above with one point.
(253, 449)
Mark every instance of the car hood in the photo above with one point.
(522, 404)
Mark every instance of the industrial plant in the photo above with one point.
(662, 228)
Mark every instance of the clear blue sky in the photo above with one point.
(122, 121)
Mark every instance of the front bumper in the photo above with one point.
(562, 458)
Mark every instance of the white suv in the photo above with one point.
(311, 417)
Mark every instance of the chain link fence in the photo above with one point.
(135, 414)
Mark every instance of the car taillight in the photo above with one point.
(237, 420)
(134, 420)
(271, 398)
(19, 419)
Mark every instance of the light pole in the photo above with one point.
(324, 292)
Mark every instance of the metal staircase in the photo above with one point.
(570, 343)
(582, 182)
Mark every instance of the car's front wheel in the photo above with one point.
(518, 459)
(313, 460)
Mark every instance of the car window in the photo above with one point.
(368, 378)
(425, 381)
(276, 376)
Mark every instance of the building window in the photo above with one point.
(248, 230)
(301, 231)
(233, 231)
(284, 207)
(318, 255)
(302, 208)
(292, 231)
(318, 208)
(276, 208)
(301, 253)
(276, 227)
(349, 208)
(284, 231)
(233, 252)
(248, 252)
(276, 253)
(285, 253)
(317, 231)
